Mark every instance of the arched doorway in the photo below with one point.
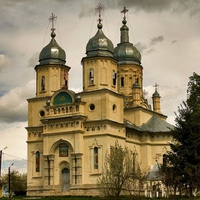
(65, 173)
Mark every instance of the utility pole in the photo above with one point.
(1, 152)
(0, 162)
(9, 179)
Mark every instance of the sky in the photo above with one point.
(167, 33)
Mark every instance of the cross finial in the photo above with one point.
(98, 9)
(145, 93)
(52, 19)
(156, 86)
(124, 12)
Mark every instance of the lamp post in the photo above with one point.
(9, 178)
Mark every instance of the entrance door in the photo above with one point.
(65, 179)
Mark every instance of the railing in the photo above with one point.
(60, 110)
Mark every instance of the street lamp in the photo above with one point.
(9, 178)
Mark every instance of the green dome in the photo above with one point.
(135, 85)
(52, 53)
(156, 94)
(99, 45)
(125, 52)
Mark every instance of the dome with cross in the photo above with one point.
(52, 53)
(125, 52)
(99, 45)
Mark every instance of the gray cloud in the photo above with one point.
(150, 51)
(145, 48)
(141, 47)
(87, 9)
(13, 105)
(4, 61)
(33, 60)
(175, 6)
(156, 40)
(174, 41)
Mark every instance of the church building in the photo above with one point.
(69, 133)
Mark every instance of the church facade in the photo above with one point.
(69, 133)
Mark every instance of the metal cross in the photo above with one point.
(98, 9)
(156, 86)
(124, 12)
(145, 93)
(52, 19)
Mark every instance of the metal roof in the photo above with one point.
(154, 174)
(153, 125)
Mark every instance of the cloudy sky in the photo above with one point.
(166, 32)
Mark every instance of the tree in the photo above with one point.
(18, 181)
(134, 185)
(117, 169)
(121, 172)
(184, 156)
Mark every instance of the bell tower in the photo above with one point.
(99, 66)
(129, 64)
(51, 72)
(156, 100)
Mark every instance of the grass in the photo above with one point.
(91, 198)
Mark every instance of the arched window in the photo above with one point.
(122, 81)
(91, 76)
(43, 83)
(65, 79)
(134, 162)
(95, 157)
(114, 76)
(164, 160)
(37, 161)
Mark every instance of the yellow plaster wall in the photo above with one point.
(104, 102)
(137, 116)
(103, 69)
(34, 107)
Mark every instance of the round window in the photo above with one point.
(42, 113)
(92, 106)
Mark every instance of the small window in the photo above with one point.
(91, 76)
(63, 151)
(134, 162)
(77, 107)
(42, 113)
(65, 79)
(114, 77)
(95, 158)
(92, 106)
(37, 161)
(122, 81)
(43, 83)
(114, 107)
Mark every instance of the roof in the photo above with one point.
(52, 53)
(153, 125)
(125, 52)
(99, 45)
(154, 174)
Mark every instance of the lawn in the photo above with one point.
(91, 198)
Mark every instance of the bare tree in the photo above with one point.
(117, 170)
(136, 182)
